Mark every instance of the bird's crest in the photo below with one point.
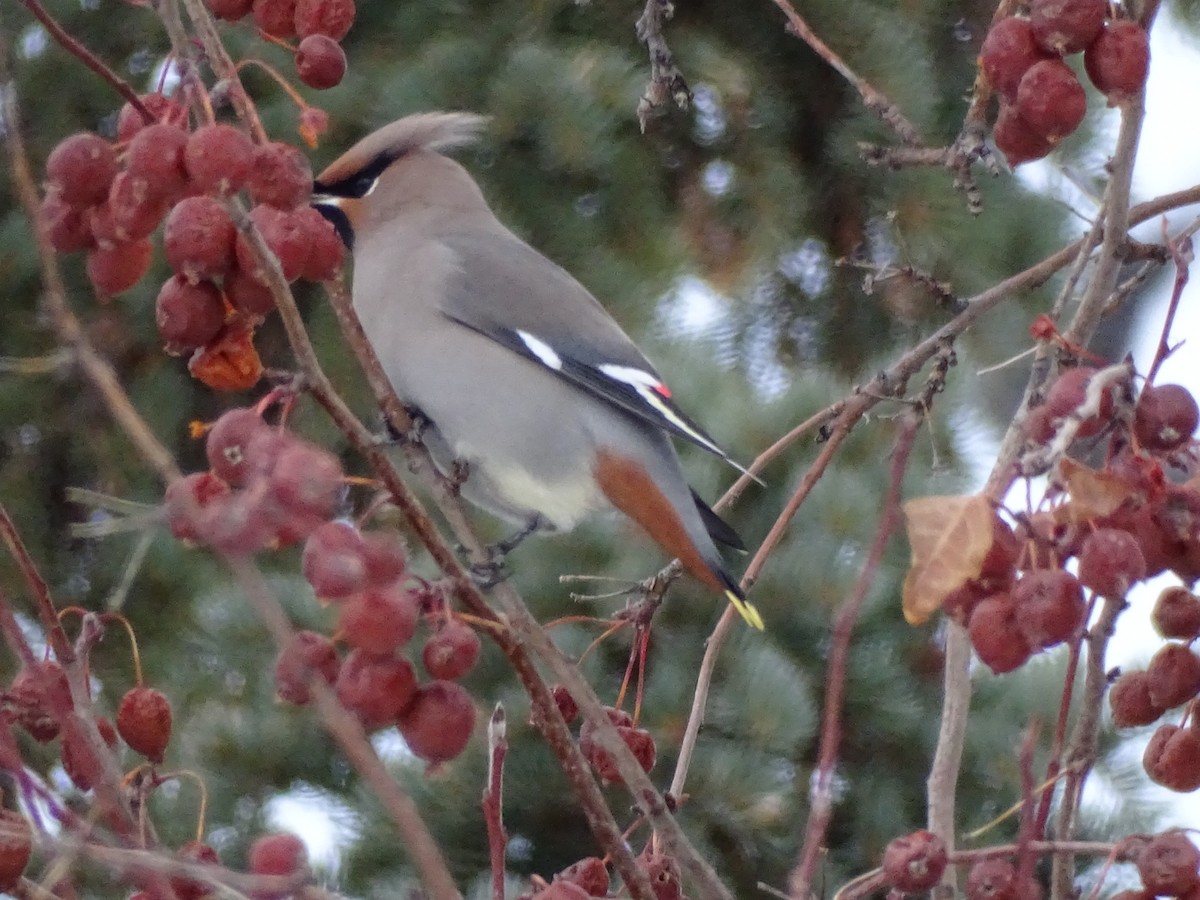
(436, 131)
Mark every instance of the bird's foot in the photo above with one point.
(491, 571)
(503, 547)
(418, 423)
(488, 573)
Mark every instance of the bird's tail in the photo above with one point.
(745, 608)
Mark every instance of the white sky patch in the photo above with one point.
(693, 308)
(326, 825)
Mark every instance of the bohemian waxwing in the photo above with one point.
(519, 371)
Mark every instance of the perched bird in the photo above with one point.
(519, 371)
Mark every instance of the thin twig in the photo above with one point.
(492, 800)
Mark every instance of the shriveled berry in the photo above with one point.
(1166, 417)
(638, 740)
(915, 862)
(378, 621)
(186, 499)
(306, 655)
(144, 722)
(1177, 614)
(1118, 60)
(218, 159)
(16, 848)
(40, 697)
(67, 227)
(452, 651)
(1130, 701)
(997, 636)
(438, 722)
(230, 10)
(1049, 606)
(131, 212)
(230, 362)
(228, 442)
(115, 269)
(385, 557)
(331, 18)
(589, 873)
(156, 154)
(1111, 560)
(1007, 53)
(1020, 143)
(194, 852)
(188, 315)
(1066, 26)
(278, 854)
(275, 17)
(1167, 865)
(1051, 99)
(247, 295)
(320, 62)
(326, 252)
(281, 177)
(1173, 676)
(287, 236)
(375, 688)
(567, 707)
(199, 239)
(81, 168)
(992, 879)
(1172, 758)
(333, 562)
(666, 880)
(160, 107)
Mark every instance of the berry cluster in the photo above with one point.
(1041, 99)
(638, 740)
(109, 199)
(589, 878)
(276, 854)
(320, 25)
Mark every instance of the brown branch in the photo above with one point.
(89, 59)
(821, 794)
(873, 99)
(666, 81)
(1182, 254)
(38, 589)
(223, 65)
(492, 800)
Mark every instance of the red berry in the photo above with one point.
(131, 212)
(1173, 676)
(437, 724)
(333, 562)
(589, 873)
(228, 442)
(915, 862)
(230, 10)
(287, 236)
(248, 296)
(115, 269)
(1130, 700)
(306, 480)
(1007, 53)
(378, 621)
(320, 62)
(997, 636)
(992, 879)
(275, 17)
(1177, 614)
(194, 852)
(385, 557)
(562, 890)
(1118, 60)
(567, 707)
(163, 109)
(240, 524)
(1049, 606)
(331, 18)
(281, 177)
(40, 697)
(67, 227)
(144, 722)
(1066, 26)
(638, 740)
(188, 315)
(1110, 560)
(452, 651)
(185, 502)
(16, 847)
(375, 688)
(327, 251)
(1167, 865)
(1051, 99)
(156, 154)
(82, 167)
(79, 761)
(1068, 394)
(1172, 758)
(1019, 143)
(199, 239)
(278, 854)
(219, 159)
(307, 654)
(1166, 417)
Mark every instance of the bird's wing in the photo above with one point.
(513, 295)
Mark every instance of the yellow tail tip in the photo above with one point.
(746, 610)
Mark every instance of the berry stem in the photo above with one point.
(188, 774)
(279, 79)
(133, 644)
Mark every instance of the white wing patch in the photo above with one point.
(653, 392)
(541, 350)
